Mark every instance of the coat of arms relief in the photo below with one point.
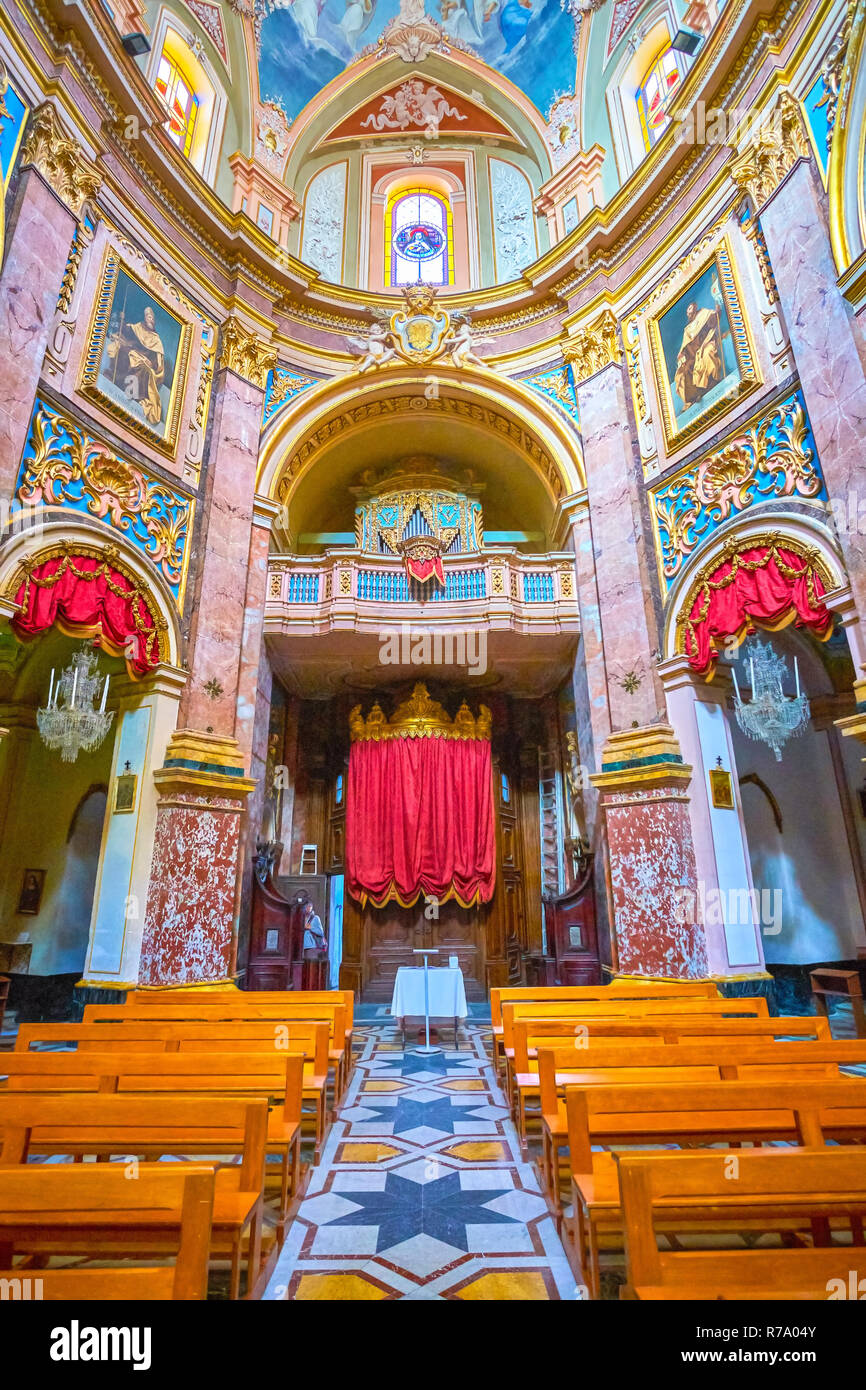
(422, 331)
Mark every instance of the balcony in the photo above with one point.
(350, 601)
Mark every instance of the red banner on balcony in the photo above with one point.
(770, 584)
(422, 570)
(419, 806)
(86, 596)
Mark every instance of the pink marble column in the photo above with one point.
(652, 871)
(38, 239)
(221, 651)
(193, 902)
(828, 346)
(628, 626)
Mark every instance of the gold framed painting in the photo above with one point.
(722, 788)
(137, 356)
(702, 352)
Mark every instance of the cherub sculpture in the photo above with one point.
(374, 350)
(461, 345)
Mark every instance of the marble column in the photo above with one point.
(642, 782)
(56, 180)
(622, 571)
(653, 873)
(783, 183)
(223, 633)
(193, 900)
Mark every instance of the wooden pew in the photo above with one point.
(662, 1192)
(726, 1058)
(696, 1114)
(528, 1035)
(624, 989)
(258, 1035)
(205, 1011)
(277, 1077)
(580, 1014)
(346, 997)
(149, 1127)
(56, 1202)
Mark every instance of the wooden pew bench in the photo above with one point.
(334, 1014)
(624, 989)
(274, 1039)
(581, 1014)
(773, 1190)
(727, 1058)
(108, 1126)
(694, 1114)
(275, 1077)
(340, 1055)
(60, 1204)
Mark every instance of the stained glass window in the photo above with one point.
(180, 100)
(652, 97)
(419, 244)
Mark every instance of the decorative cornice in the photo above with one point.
(246, 354)
(774, 151)
(593, 348)
(61, 161)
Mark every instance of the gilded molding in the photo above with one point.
(772, 458)
(593, 348)
(60, 161)
(774, 151)
(419, 717)
(245, 353)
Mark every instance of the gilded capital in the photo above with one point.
(775, 149)
(60, 160)
(593, 348)
(245, 353)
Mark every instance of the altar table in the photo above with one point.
(447, 995)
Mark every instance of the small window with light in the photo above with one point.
(180, 101)
(654, 93)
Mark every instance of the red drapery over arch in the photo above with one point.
(89, 595)
(419, 809)
(768, 584)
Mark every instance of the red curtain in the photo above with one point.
(86, 593)
(767, 584)
(419, 820)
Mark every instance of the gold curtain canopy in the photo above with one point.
(419, 717)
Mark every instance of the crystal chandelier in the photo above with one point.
(69, 721)
(770, 715)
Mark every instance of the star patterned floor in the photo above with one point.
(421, 1192)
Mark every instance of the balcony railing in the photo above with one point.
(505, 587)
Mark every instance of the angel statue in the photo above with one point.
(461, 346)
(374, 350)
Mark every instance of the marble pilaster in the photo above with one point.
(622, 574)
(828, 347)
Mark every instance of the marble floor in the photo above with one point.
(421, 1192)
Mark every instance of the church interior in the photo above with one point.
(432, 559)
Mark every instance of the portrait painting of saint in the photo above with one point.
(136, 359)
(702, 353)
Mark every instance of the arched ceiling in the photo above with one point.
(304, 44)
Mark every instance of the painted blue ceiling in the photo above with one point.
(306, 43)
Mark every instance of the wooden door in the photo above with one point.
(392, 933)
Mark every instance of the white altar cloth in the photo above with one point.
(447, 994)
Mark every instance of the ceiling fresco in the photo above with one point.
(305, 43)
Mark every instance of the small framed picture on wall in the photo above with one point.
(30, 897)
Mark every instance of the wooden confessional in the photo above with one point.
(276, 957)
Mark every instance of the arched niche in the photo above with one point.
(472, 420)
